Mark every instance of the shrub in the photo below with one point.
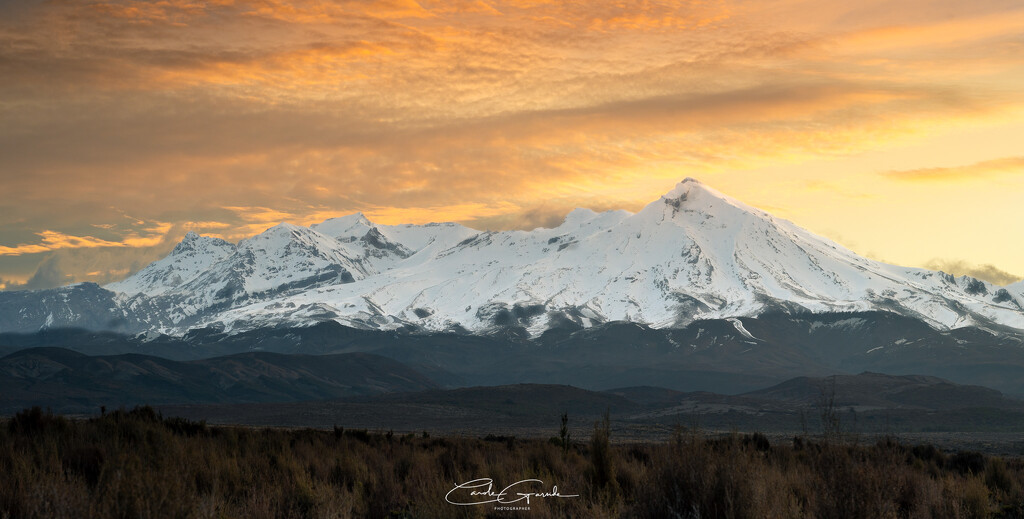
(601, 455)
(139, 464)
(35, 421)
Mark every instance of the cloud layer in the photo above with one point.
(228, 116)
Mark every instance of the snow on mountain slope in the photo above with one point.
(190, 258)
(694, 253)
(429, 239)
(82, 305)
(287, 254)
(346, 228)
(283, 259)
(1015, 290)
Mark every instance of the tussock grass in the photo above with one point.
(140, 464)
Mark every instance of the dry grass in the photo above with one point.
(138, 464)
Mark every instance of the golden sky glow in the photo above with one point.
(895, 128)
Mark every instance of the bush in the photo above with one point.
(601, 456)
(139, 464)
(35, 421)
(967, 463)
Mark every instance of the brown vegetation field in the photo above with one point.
(139, 464)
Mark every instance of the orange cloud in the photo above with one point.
(53, 240)
(206, 225)
(155, 235)
(317, 12)
(937, 34)
(632, 15)
(446, 213)
(146, 13)
(261, 214)
(295, 11)
(233, 115)
(976, 171)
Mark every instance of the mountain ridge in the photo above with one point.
(693, 254)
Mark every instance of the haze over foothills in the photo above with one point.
(893, 128)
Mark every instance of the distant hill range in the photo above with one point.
(363, 390)
(726, 356)
(67, 381)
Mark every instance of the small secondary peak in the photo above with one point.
(284, 226)
(352, 219)
(577, 216)
(348, 227)
(191, 241)
(346, 222)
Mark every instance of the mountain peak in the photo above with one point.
(189, 242)
(688, 184)
(357, 218)
(194, 241)
(681, 191)
(345, 228)
(193, 255)
(281, 228)
(696, 195)
(287, 232)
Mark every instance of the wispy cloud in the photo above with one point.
(977, 171)
(54, 240)
(989, 273)
(49, 274)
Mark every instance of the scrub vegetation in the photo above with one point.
(138, 463)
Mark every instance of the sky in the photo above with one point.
(892, 127)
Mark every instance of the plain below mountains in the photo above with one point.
(868, 403)
(369, 391)
(728, 356)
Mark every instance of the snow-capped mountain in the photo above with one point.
(190, 258)
(692, 254)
